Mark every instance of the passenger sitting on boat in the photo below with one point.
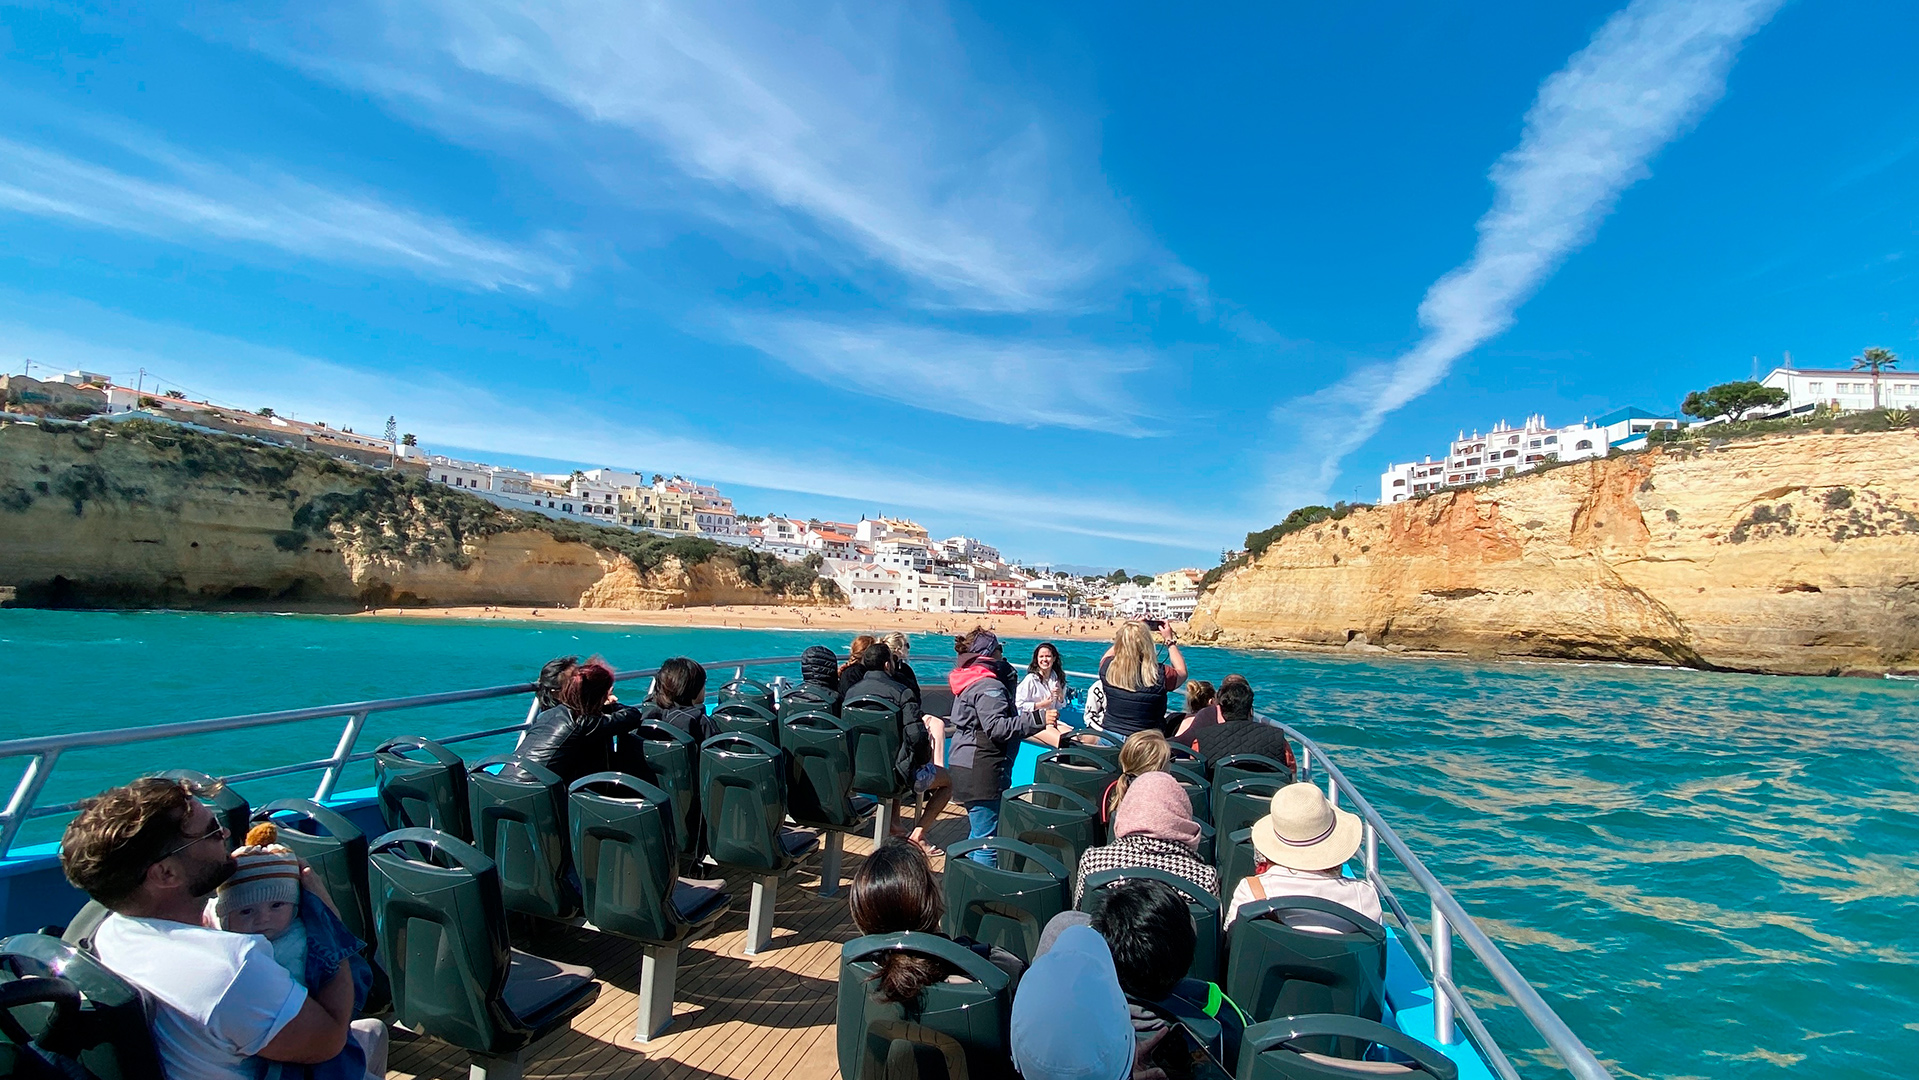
(1205, 715)
(152, 854)
(987, 730)
(878, 681)
(1070, 1019)
(1154, 828)
(851, 671)
(1141, 753)
(546, 689)
(1044, 689)
(1199, 696)
(1302, 846)
(1135, 682)
(935, 725)
(1237, 732)
(574, 738)
(894, 892)
(819, 679)
(678, 697)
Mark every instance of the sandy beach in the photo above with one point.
(845, 621)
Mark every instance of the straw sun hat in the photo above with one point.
(1305, 832)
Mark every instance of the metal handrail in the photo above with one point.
(43, 751)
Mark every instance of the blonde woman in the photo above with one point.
(1135, 682)
(1142, 753)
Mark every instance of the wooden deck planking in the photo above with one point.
(768, 1017)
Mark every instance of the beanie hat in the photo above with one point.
(819, 665)
(1070, 1020)
(265, 870)
(1156, 806)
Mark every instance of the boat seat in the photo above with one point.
(1054, 819)
(820, 793)
(227, 804)
(746, 718)
(1079, 770)
(741, 688)
(1240, 766)
(877, 733)
(518, 812)
(84, 1012)
(804, 699)
(79, 932)
(336, 851)
(443, 940)
(743, 797)
(1278, 1050)
(1239, 803)
(1198, 790)
(954, 1030)
(1237, 859)
(672, 764)
(1292, 955)
(1186, 755)
(1204, 906)
(1001, 906)
(422, 785)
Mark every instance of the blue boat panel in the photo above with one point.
(1409, 1003)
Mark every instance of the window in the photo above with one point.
(1550, 440)
(1584, 444)
(1512, 453)
(1815, 388)
(1514, 441)
(1472, 461)
(1399, 483)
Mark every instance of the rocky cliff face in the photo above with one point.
(143, 515)
(1792, 554)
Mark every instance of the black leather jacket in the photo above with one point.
(574, 746)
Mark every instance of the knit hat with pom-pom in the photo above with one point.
(267, 870)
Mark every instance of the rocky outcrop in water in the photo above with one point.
(1791, 554)
(144, 514)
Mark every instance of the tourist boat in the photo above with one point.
(758, 997)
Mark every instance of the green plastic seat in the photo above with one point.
(1237, 859)
(422, 785)
(1241, 766)
(1243, 801)
(1292, 955)
(1063, 823)
(227, 804)
(954, 1030)
(820, 792)
(741, 688)
(335, 849)
(62, 998)
(518, 810)
(624, 843)
(673, 765)
(804, 699)
(1198, 789)
(443, 941)
(1081, 770)
(1002, 906)
(1204, 906)
(743, 798)
(746, 718)
(1186, 755)
(875, 728)
(1283, 1049)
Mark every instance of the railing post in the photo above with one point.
(32, 779)
(349, 735)
(1372, 853)
(1443, 1032)
(1305, 762)
(1332, 789)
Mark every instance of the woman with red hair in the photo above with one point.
(574, 738)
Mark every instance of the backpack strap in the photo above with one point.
(1258, 886)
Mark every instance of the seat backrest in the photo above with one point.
(805, 697)
(1237, 860)
(227, 804)
(746, 718)
(820, 772)
(1240, 766)
(874, 728)
(673, 766)
(1204, 906)
(744, 689)
(1282, 1049)
(335, 849)
(1000, 905)
(954, 1030)
(518, 811)
(1293, 955)
(1054, 819)
(1186, 755)
(1239, 803)
(625, 845)
(104, 1026)
(443, 939)
(422, 785)
(743, 799)
(1078, 770)
(1198, 788)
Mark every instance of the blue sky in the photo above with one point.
(1105, 284)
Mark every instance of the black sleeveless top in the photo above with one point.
(1128, 711)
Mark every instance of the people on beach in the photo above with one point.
(1302, 844)
(1135, 682)
(1154, 827)
(1237, 731)
(987, 730)
(894, 892)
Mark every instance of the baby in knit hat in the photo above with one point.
(263, 897)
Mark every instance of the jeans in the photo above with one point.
(983, 821)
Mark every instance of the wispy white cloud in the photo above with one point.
(445, 411)
(1004, 380)
(162, 192)
(1649, 73)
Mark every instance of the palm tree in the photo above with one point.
(1873, 360)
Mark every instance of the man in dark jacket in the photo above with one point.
(879, 681)
(1238, 732)
(819, 682)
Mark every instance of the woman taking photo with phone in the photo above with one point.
(1135, 682)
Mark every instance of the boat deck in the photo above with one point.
(764, 1017)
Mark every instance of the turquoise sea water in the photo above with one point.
(1707, 875)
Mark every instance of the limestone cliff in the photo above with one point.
(1791, 554)
(145, 514)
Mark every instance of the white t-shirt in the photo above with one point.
(1279, 881)
(221, 997)
(1033, 691)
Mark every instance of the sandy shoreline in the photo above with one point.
(775, 617)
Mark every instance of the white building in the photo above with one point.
(967, 549)
(1046, 600)
(1844, 391)
(866, 585)
(1181, 605)
(600, 498)
(1503, 451)
(909, 555)
(1132, 601)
